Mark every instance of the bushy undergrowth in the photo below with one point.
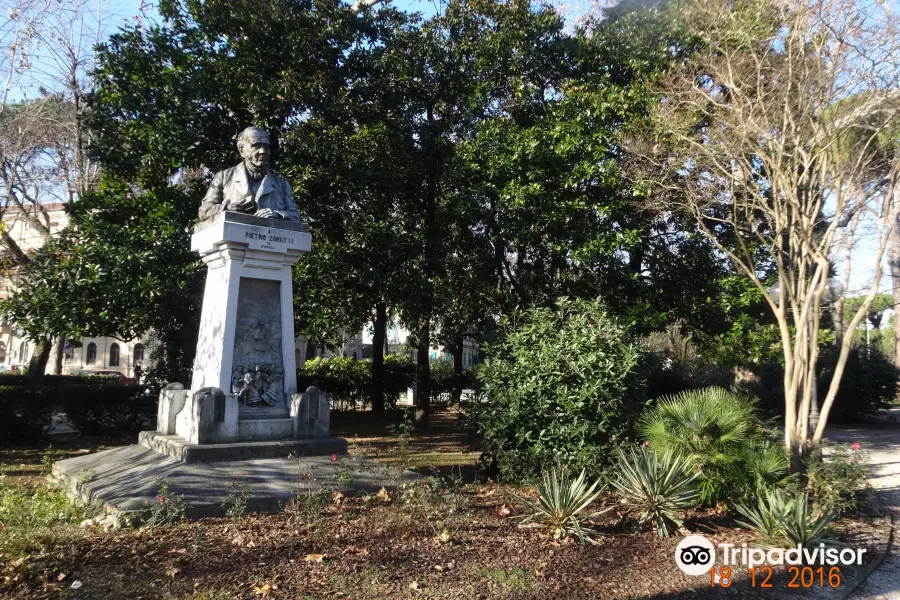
(348, 382)
(563, 386)
(835, 479)
(722, 436)
(26, 411)
(869, 383)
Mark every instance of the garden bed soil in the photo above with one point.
(456, 544)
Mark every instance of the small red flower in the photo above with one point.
(646, 444)
(162, 498)
(333, 457)
(856, 446)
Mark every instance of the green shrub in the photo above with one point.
(26, 412)
(562, 386)
(715, 429)
(869, 383)
(655, 487)
(348, 382)
(561, 505)
(442, 379)
(666, 377)
(834, 480)
(16, 378)
(783, 521)
(108, 409)
(399, 375)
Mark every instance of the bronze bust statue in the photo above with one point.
(250, 187)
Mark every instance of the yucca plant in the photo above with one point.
(783, 521)
(713, 427)
(655, 487)
(561, 505)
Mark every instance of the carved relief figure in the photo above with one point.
(257, 388)
(250, 187)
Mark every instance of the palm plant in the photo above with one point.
(655, 487)
(713, 427)
(561, 505)
(783, 521)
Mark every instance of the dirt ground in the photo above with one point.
(449, 539)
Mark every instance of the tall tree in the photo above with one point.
(753, 143)
(45, 78)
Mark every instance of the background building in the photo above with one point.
(103, 353)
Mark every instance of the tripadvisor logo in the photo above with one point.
(695, 555)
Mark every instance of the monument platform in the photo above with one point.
(178, 448)
(128, 480)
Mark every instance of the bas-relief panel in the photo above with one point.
(257, 337)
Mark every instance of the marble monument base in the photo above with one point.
(128, 480)
(208, 425)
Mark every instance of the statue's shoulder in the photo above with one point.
(279, 179)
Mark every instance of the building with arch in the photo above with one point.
(108, 354)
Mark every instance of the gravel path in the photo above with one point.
(882, 442)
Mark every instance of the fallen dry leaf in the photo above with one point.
(414, 585)
(504, 511)
(173, 572)
(177, 551)
(251, 544)
(315, 558)
(383, 496)
(355, 550)
(262, 590)
(337, 498)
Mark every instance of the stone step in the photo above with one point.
(176, 447)
(254, 413)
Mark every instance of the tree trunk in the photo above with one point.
(38, 363)
(457, 369)
(894, 263)
(378, 338)
(423, 374)
(59, 348)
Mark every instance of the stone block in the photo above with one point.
(311, 413)
(208, 418)
(171, 402)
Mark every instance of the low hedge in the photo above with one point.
(348, 382)
(26, 412)
(100, 410)
(8, 378)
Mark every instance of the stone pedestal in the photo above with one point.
(248, 316)
(244, 386)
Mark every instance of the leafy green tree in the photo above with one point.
(121, 268)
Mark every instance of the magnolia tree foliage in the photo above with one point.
(563, 386)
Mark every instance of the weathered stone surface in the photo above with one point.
(312, 414)
(171, 402)
(177, 448)
(257, 337)
(129, 478)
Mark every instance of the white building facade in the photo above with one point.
(104, 353)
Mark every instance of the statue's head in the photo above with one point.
(253, 144)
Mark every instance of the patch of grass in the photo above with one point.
(515, 579)
(211, 595)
